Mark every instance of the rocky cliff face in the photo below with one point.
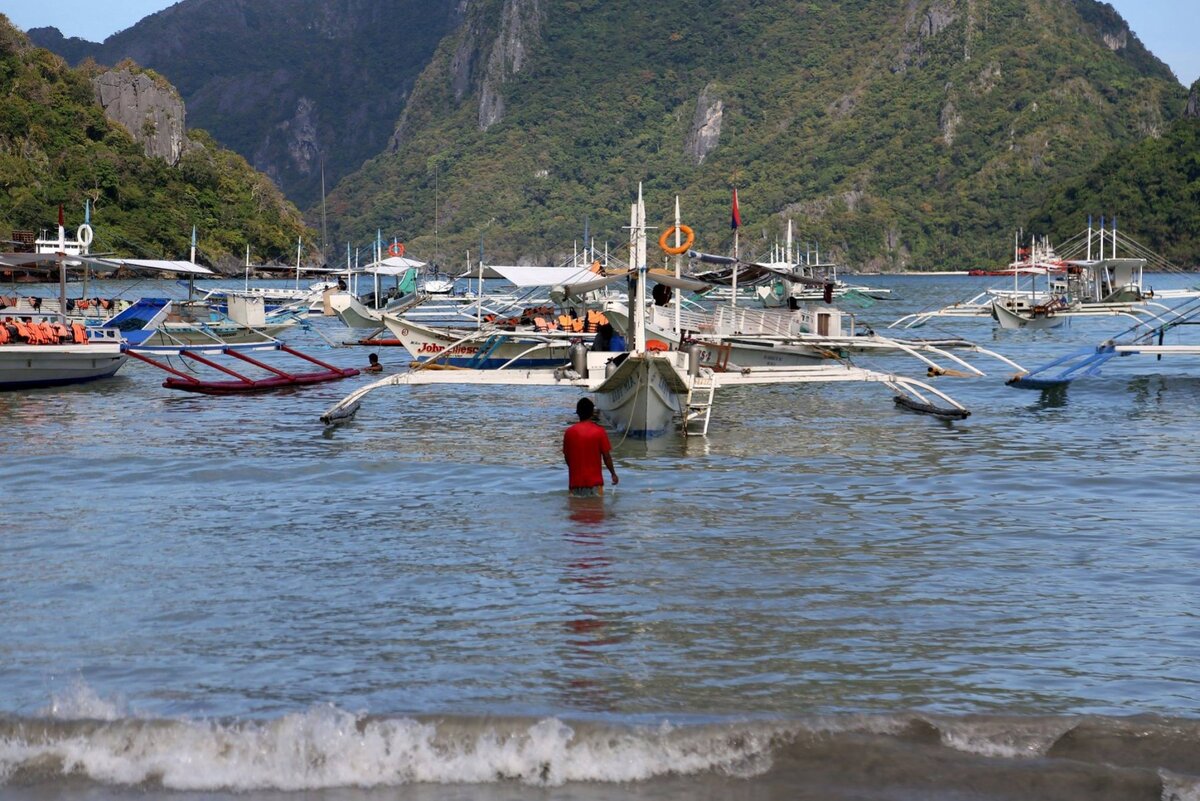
(705, 133)
(1193, 105)
(911, 131)
(150, 110)
(288, 84)
(520, 26)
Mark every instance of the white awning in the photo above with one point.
(392, 265)
(689, 284)
(163, 265)
(543, 276)
(596, 282)
(385, 269)
(46, 261)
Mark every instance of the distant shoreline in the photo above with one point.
(915, 272)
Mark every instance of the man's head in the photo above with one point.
(585, 408)
(373, 359)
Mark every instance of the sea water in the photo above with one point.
(829, 597)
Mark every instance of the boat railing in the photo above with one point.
(726, 321)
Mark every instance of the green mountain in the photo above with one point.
(57, 146)
(897, 134)
(1153, 186)
(292, 85)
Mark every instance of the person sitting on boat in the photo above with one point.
(603, 340)
(662, 294)
(585, 445)
(374, 366)
(617, 342)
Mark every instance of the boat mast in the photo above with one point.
(479, 294)
(1016, 259)
(678, 270)
(378, 259)
(62, 267)
(788, 245)
(192, 275)
(638, 241)
(733, 294)
(324, 226)
(87, 221)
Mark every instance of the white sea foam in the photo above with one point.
(1179, 788)
(1010, 738)
(79, 701)
(327, 747)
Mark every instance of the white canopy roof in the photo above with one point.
(47, 261)
(392, 265)
(544, 276)
(163, 265)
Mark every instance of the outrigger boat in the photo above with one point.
(267, 376)
(1108, 286)
(730, 337)
(1133, 341)
(37, 353)
(486, 334)
(726, 338)
(644, 392)
(787, 277)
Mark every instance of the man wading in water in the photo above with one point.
(584, 445)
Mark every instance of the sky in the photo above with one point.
(1170, 28)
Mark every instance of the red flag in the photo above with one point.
(736, 219)
(61, 223)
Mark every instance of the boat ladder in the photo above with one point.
(699, 406)
(485, 351)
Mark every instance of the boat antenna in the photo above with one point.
(436, 170)
(679, 265)
(324, 225)
(62, 266)
(736, 221)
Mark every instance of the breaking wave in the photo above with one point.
(83, 737)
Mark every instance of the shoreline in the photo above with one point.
(914, 272)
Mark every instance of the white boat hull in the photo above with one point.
(481, 352)
(1012, 321)
(644, 396)
(353, 313)
(29, 366)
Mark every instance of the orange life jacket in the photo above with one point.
(81, 337)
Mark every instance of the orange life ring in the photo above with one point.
(657, 344)
(688, 233)
(396, 249)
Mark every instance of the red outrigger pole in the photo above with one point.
(242, 384)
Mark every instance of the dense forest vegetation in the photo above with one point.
(894, 134)
(58, 148)
(899, 135)
(1154, 185)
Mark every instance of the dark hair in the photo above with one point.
(373, 358)
(585, 408)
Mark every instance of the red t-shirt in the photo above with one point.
(583, 443)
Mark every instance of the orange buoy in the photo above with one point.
(689, 238)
